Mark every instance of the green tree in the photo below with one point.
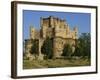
(83, 47)
(34, 48)
(78, 51)
(47, 47)
(67, 51)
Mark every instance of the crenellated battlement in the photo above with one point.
(54, 27)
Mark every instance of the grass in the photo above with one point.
(53, 63)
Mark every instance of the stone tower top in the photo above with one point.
(32, 32)
(75, 29)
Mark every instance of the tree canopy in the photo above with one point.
(83, 47)
(47, 47)
(34, 48)
(67, 50)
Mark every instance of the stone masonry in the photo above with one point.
(54, 28)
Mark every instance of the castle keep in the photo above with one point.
(56, 29)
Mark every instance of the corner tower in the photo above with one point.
(32, 32)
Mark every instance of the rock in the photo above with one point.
(40, 57)
(30, 56)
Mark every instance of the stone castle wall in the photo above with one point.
(57, 29)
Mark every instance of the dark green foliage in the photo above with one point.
(47, 48)
(77, 51)
(67, 50)
(83, 47)
(34, 48)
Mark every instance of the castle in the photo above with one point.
(54, 28)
